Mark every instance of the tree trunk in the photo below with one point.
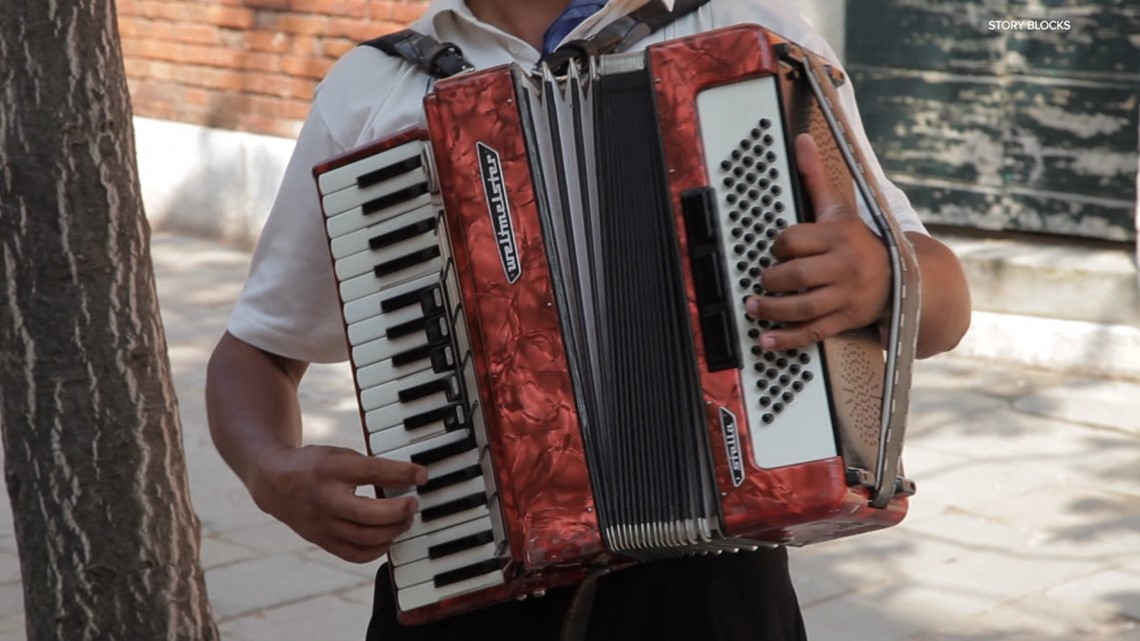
(94, 464)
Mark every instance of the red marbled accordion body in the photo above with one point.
(798, 504)
(525, 389)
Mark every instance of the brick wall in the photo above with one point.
(248, 65)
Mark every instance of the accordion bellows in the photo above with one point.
(544, 295)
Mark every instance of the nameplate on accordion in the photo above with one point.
(543, 291)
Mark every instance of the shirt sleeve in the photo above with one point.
(290, 305)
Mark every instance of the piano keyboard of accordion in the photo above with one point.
(511, 277)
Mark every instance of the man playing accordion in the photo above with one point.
(831, 276)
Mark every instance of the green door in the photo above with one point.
(989, 123)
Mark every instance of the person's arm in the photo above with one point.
(833, 275)
(255, 421)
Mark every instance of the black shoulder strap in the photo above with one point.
(620, 35)
(440, 60)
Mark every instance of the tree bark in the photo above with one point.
(93, 449)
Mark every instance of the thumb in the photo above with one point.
(819, 190)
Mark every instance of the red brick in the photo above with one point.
(236, 17)
(196, 33)
(315, 68)
(337, 47)
(303, 23)
(245, 64)
(277, 5)
(273, 41)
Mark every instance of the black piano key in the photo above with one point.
(404, 262)
(429, 297)
(459, 545)
(438, 351)
(466, 572)
(410, 327)
(469, 502)
(403, 233)
(452, 416)
(451, 478)
(445, 385)
(435, 326)
(437, 329)
(442, 360)
(391, 171)
(431, 301)
(394, 198)
(412, 355)
(435, 455)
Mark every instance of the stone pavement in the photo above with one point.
(1026, 526)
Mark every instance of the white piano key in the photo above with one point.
(426, 569)
(405, 454)
(459, 324)
(419, 527)
(377, 326)
(453, 464)
(471, 388)
(385, 371)
(451, 493)
(387, 391)
(370, 306)
(341, 201)
(417, 548)
(397, 436)
(369, 283)
(440, 468)
(346, 176)
(391, 416)
(426, 593)
(384, 348)
(344, 223)
(359, 240)
(451, 284)
(365, 261)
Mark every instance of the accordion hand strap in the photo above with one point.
(439, 60)
(906, 291)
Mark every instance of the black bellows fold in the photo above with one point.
(609, 228)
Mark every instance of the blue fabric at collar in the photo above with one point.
(573, 16)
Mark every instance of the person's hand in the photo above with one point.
(313, 490)
(832, 275)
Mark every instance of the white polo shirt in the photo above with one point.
(289, 305)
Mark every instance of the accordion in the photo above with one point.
(543, 292)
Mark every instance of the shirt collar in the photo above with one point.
(613, 10)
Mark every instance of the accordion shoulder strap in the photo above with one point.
(437, 59)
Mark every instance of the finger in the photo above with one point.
(802, 273)
(798, 336)
(367, 470)
(798, 241)
(810, 163)
(797, 308)
(367, 536)
(372, 511)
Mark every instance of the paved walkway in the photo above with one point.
(1026, 526)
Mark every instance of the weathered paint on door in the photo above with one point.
(1005, 128)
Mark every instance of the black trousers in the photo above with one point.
(737, 597)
